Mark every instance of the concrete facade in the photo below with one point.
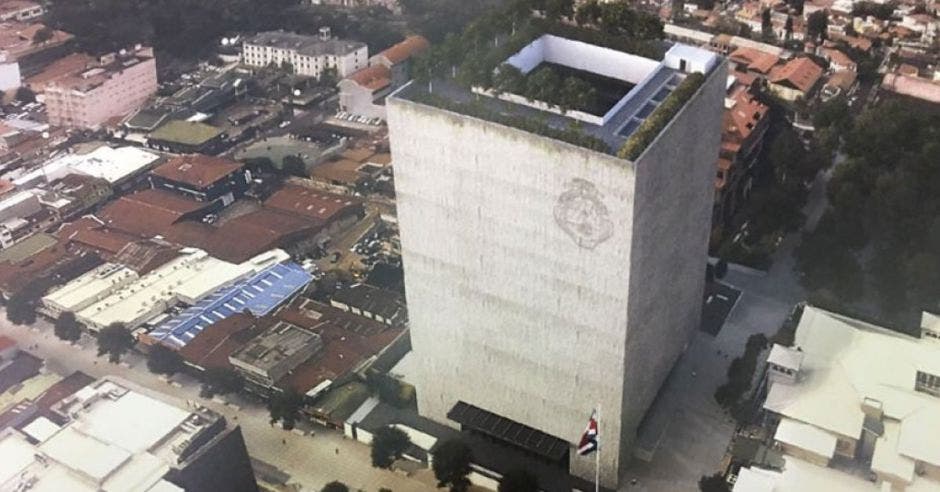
(544, 278)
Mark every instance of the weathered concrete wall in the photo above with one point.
(675, 194)
(507, 311)
(519, 254)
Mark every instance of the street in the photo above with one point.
(311, 462)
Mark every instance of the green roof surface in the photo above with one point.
(27, 247)
(186, 132)
(341, 402)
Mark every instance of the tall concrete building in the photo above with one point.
(542, 277)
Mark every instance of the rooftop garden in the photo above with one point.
(477, 59)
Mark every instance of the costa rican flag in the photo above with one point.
(588, 442)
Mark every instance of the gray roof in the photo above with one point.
(305, 45)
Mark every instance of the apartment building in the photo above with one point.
(113, 87)
(307, 55)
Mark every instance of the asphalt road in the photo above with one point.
(311, 462)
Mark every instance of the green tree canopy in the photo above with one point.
(817, 24)
(67, 328)
(114, 340)
(335, 486)
(388, 444)
(164, 360)
(713, 483)
(220, 381)
(285, 407)
(451, 465)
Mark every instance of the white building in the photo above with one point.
(111, 294)
(543, 277)
(9, 73)
(113, 438)
(308, 55)
(856, 393)
(114, 165)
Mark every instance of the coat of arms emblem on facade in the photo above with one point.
(581, 213)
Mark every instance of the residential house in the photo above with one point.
(363, 92)
(797, 79)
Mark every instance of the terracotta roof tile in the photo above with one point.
(800, 73)
(412, 45)
(196, 169)
(320, 206)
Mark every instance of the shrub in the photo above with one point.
(654, 123)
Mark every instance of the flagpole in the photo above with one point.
(597, 454)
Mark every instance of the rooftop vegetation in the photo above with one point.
(655, 122)
(572, 134)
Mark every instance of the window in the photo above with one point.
(928, 383)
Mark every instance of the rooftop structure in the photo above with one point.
(202, 178)
(514, 273)
(319, 206)
(363, 92)
(149, 212)
(114, 165)
(211, 347)
(365, 300)
(309, 55)
(858, 391)
(258, 294)
(185, 279)
(101, 445)
(184, 136)
(795, 79)
(88, 289)
(276, 352)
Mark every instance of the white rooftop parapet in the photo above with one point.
(690, 59)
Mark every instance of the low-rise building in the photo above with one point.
(186, 279)
(9, 73)
(363, 92)
(306, 55)
(259, 295)
(187, 137)
(330, 210)
(118, 166)
(841, 83)
(20, 10)
(849, 393)
(275, 353)
(111, 435)
(797, 79)
(753, 60)
(371, 302)
(202, 178)
(211, 347)
(744, 125)
(18, 42)
(119, 84)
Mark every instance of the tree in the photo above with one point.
(43, 34)
(67, 328)
(164, 360)
(817, 25)
(510, 79)
(335, 486)
(518, 480)
(220, 381)
(21, 310)
(713, 483)
(294, 165)
(285, 407)
(705, 4)
(555, 9)
(114, 340)
(452, 465)
(542, 85)
(788, 27)
(388, 444)
(766, 24)
(25, 95)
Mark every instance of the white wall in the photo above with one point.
(583, 56)
(9, 75)
(696, 59)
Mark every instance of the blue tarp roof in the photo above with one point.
(259, 294)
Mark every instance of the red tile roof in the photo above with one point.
(756, 60)
(741, 119)
(196, 169)
(211, 347)
(149, 212)
(411, 46)
(799, 73)
(6, 342)
(90, 233)
(343, 349)
(320, 206)
(373, 78)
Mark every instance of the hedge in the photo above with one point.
(477, 110)
(655, 122)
